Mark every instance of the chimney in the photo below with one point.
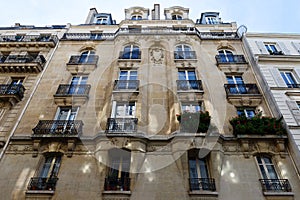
(156, 12)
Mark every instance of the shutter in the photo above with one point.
(261, 47)
(283, 48)
(277, 77)
(297, 71)
(294, 108)
(296, 45)
(113, 110)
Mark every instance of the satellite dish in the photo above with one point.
(241, 30)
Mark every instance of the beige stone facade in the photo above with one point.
(115, 113)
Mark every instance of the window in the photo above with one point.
(211, 20)
(101, 20)
(15, 86)
(123, 109)
(77, 85)
(188, 80)
(118, 172)
(289, 79)
(66, 113)
(176, 17)
(266, 167)
(64, 120)
(247, 112)
(127, 79)
(96, 36)
(236, 85)
(87, 57)
(226, 55)
(136, 17)
(198, 172)
(271, 48)
(131, 52)
(47, 175)
(16, 81)
(191, 107)
(184, 52)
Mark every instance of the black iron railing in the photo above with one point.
(275, 185)
(276, 53)
(81, 60)
(88, 36)
(219, 35)
(17, 89)
(239, 89)
(293, 85)
(29, 38)
(73, 90)
(117, 184)
(40, 59)
(184, 54)
(121, 125)
(41, 183)
(202, 184)
(126, 85)
(236, 59)
(130, 55)
(58, 128)
(183, 85)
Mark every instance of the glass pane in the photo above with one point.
(250, 113)
(203, 168)
(272, 172)
(263, 172)
(181, 75)
(290, 77)
(191, 75)
(239, 80)
(123, 75)
(193, 169)
(230, 79)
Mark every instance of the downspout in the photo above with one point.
(28, 101)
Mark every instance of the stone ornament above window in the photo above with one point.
(157, 55)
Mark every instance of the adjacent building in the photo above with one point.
(151, 108)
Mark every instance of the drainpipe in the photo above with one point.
(28, 101)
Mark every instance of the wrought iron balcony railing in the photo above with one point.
(184, 55)
(240, 89)
(83, 60)
(184, 85)
(126, 85)
(130, 55)
(88, 36)
(294, 85)
(230, 59)
(22, 59)
(16, 90)
(219, 35)
(117, 184)
(58, 128)
(73, 90)
(41, 183)
(275, 185)
(29, 38)
(202, 184)
(121, 125)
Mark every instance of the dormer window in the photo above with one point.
(136, 17)
(101, 20)
(272, 49)
(176, 17)
(211, 20)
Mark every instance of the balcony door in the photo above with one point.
(87, 57)
(131, 52)
(123, 110)
(77, 85)
(226, 55)
(127, 79)
(238, 86)
(64, 119)
(266, 167)
(50, 167)
(188, 80)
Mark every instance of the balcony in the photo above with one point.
(21, 64)
(188, 85)
(219, 36)
(197, 122)
(231, 63)
(41, 183)
(130, 55)
(125, 85)
(185, 55)
(11, 93)
(275, 185)
(72, 94)
(117, 184)
(88, 36)
(121, 125)
(58, 129)
(79, 64)
(243, 94)
(207, 184)
(276, 53)
(28, 41)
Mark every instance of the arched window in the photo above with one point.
(131, 52)
(183, 51)
(87, 57)
(136, 17)
(226, 55)
(176, 17)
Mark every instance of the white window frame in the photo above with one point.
(177, 17)
(211, 20)
(269, 48)
(72, 111)
(136, 17)
(265, 168)
(191, 107)
(101, 19)
(86, 55)
(286, 79)
(245, 111)
(126, 109)
(50, 169)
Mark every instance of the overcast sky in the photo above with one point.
(276, 16)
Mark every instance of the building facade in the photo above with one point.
(150, 108)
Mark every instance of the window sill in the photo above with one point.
(204, 193)
(40, 192)
(278, 193)
(117, 192)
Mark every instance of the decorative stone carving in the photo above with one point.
(157, 55)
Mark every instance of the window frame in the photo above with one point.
(266, 174)
(131, 51)
(245, 111)
(290, 80)
(129, 109)
(192, 107)
(271, 47)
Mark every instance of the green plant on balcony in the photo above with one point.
(257, 125)
(197, 122)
